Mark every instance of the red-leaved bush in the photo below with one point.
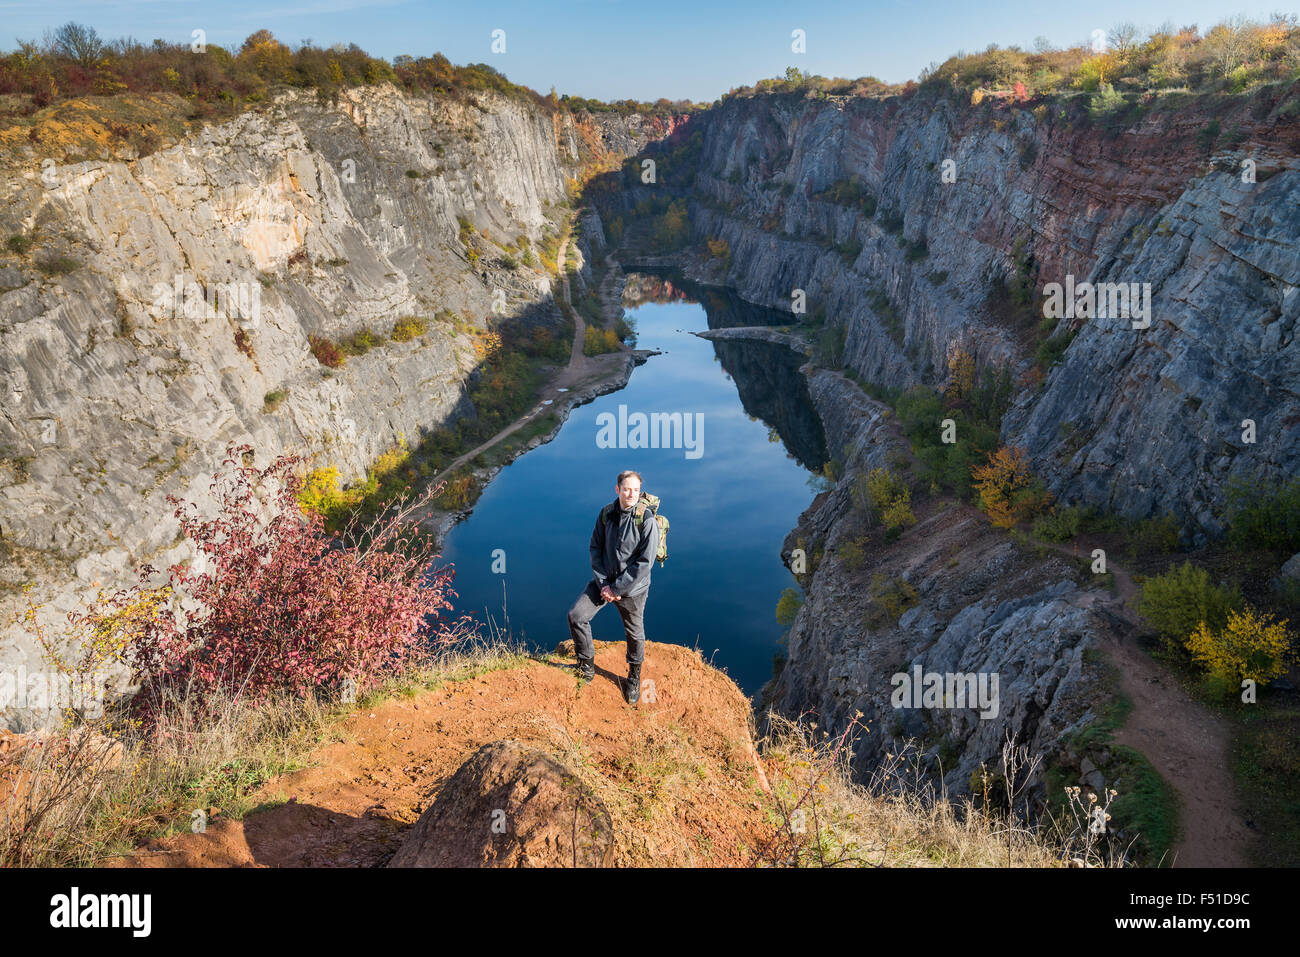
(274, 603)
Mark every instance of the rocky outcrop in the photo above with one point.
(1156, 413)
(760, 334)
(194, 279)
(952, 596)
(511, 806)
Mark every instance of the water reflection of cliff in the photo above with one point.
(723, 307)
(643, 287)
(767, 375)
(771, 388)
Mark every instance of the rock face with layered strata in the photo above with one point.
(1141, 421)
(1154, 416)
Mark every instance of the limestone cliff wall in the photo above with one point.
(1155, 414)
(324, 220)
(1139, 421)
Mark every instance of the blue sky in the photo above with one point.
(614, 49)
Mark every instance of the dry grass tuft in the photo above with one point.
(824, 818)
(97, 788)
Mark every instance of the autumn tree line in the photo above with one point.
(1230, 57)
(75, 61)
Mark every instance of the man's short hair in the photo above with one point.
(623, 475)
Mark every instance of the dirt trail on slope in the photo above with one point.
(1183, 740)
(577, 358)
(678, 773)
(582, 371)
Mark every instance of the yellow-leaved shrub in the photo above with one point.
(1251, 645)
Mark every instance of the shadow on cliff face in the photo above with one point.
(540, 331)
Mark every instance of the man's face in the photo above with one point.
(629, 491)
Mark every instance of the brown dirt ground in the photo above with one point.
(1183, 740)
(679, 774)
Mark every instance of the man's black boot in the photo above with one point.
(586, 669)
(632, 685)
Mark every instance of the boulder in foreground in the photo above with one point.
(511, 806)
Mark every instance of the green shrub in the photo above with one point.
(1264, 515)
(672, 230)
(850, 250)
(408, 328)
(1207, 135)
(18, 244)
(599, 341)
(1178, 601)
(833, 469)
(787, 607)
(890, 597)
(361, 342)
(891, 222)
(1287, 597)
(1051, 349)
(1155, 535)
(914, 249)
(898, 515)
(1105, 101)
(845, 192)
(1058, 525)
(590, 308)
(272, 400)
(58, 265)
(920, 412)
(851, 553)
(828, 352)
(1018, 284)
(882, 306)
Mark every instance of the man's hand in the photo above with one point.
(608, 595)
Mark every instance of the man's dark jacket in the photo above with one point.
(621, 553)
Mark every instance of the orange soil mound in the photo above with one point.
(678, 772)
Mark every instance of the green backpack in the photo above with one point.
(648, 503)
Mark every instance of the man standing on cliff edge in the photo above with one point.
(623, 547)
